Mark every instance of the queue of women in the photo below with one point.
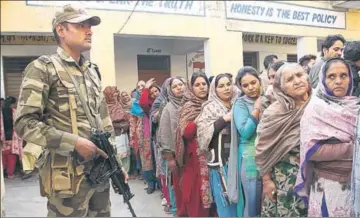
(229, 148)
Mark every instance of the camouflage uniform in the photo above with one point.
(43, 118)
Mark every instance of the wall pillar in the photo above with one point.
(102, 53)
(306, 46)
(223, 53)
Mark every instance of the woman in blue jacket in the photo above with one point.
(244, 186)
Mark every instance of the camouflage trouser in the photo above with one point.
(88, 202)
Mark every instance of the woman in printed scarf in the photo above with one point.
(328, 136)
(277, 144)
(191, 178)
(125, 101)
(244, 186)
(167, 131)
(155, 115)
(148, 95)
(120, 120)
(214, 137)
(136, 127)
(12, 143)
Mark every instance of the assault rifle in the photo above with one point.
(104, 169)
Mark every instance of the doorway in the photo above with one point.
(153, 66)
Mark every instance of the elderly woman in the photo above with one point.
(277, 145)
(244, 185)
(191, 183)
(167, 129)
(214, 137)
(328, 135)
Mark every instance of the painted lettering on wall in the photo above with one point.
(27, 40)
(269, 39)
(196, 8)
(285, 13)
(152, 50)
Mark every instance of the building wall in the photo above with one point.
(223, 45)
(127, 49)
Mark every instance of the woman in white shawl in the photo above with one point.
(214, 136)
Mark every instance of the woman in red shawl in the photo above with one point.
(191, 180)
(147, 97)
(120, 120)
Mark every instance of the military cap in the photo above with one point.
(72, 15)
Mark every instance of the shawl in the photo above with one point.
(161, 100)
(135, 108)
(176, 101)
(169, 121)
(126, 105)
(355, 176)
(211, 110)
(328, 116)
(234, 171)
(189, 111)
(278, 131)
(157, 106)
(116, 111)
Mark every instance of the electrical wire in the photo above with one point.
(127, 20)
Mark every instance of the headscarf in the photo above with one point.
(116, 111)
(161, 100)
(211, 111)
(279, 129)
(327, 116)
(189, 111)
(125, 104)
(176, 101)
(136, 110)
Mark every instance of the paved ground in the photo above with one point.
(22, 199)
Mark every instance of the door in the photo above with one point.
(251, 59)
(13, 70)
(153, 66)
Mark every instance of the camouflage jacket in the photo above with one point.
(43, 112)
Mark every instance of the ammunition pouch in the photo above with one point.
(58, 175)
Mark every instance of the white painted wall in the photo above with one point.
(127, 49)
(280, 50)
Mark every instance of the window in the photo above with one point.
(251, 59)
(153, 62)
(16, 64)
(13, 70)
(292, 58)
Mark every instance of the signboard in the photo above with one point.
(268, 39)
(194, 8)
(266, 11)
(27, 40)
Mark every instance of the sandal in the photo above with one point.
(167, 209)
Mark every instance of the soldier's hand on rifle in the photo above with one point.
(87, 149)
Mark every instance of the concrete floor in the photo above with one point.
(22, 199)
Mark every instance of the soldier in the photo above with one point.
(50, 114)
